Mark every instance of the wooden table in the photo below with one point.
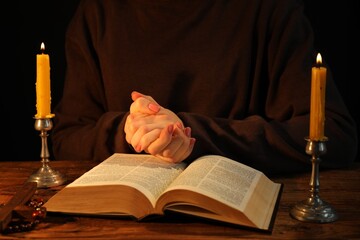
(341, 188)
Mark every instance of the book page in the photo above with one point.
(220, 178)
(144, 172)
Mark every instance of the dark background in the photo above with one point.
(25, 24)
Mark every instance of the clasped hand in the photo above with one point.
(157, 130)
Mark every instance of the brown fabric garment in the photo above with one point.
(237, 72)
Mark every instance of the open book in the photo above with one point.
(140, 185)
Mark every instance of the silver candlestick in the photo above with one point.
(314, 209)
(45, 177)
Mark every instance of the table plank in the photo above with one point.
(341, 188)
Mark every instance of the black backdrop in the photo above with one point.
(25, 24)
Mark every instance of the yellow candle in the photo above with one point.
(317, 101)
(43, 98)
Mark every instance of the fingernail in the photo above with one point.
(188, 131)
(179, 125)
(154, 107)
(171, 129)
(138, 148)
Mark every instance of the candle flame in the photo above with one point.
(42, 47)
(318, 59)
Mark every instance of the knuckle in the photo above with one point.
(143, 129)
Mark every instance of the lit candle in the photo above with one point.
(317, 101)
(43, 97)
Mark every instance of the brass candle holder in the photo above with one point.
(45, 177)
(314, 209)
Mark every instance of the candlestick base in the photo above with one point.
(45, 177)
(314, 209)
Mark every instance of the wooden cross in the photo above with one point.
(17, 202)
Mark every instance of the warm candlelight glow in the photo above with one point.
(317, 101)
(43, 97)
(42, 47)
(318, 59)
